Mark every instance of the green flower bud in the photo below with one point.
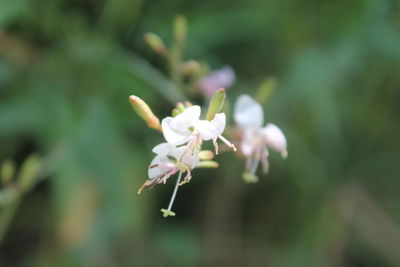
(266, 90)
(180, 106)
(216, 103)
(190, 67)
(175, 112)
(180, 29)
(208, 164)
(156, 43)
(206, 155)
(7, 171)
(29, 172)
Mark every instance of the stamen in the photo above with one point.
(256, 161)
(215, 144)
(187, 178)
(249, 162)
(223, 139)
(264, 161)
(189, 147)
(255, 166)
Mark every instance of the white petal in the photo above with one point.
(191, 160)
(177, 153)
(211, 129)
(164, 149)
(172, 135)
(186, 119)
(219, 122)
(248, 113)
(160, 170)
(274, 138)
(248, 142)
(206, 129)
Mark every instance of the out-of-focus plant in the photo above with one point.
(190, 76)
(15, 185)
(256, 140)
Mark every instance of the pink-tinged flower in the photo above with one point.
(256, 140)
(188, 128)
(168, 161)
(222, 78)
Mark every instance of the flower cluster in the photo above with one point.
(249, 116)
(185, 131)
(184, 134)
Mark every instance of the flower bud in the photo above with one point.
(28, 172)
(7, 171)
(175, 112)
(180, 106)
(216, 104)
(208, 164)
(206, 155)
(155, 42)
(265, 90)
(221, 78)
(144, 111)
(180, 29)
(190, 67)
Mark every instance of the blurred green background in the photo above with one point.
(67, 68)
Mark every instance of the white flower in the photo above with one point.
(222, 78)
(169, 160)
(256, 140)
(188, 128)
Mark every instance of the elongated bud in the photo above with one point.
(208, 164)
(190, 67)
(206, 155)
(249, 178)
(266, 90)
(155, 42)
(7, 171)
(216, 104)
(180, 29)
(29, 172)
(144, 111)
